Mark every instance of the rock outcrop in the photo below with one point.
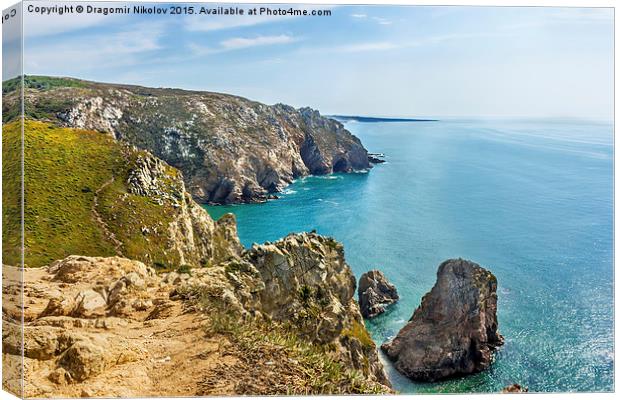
(454, 331)
(308, 283)
(515, 388)
(192, 237)
(229, 149)
(109, 326)
(375, 293)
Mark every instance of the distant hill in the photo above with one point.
(357, 118)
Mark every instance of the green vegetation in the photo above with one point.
(40, 82)
(59, 163)
(359, 332)
(139, 222)
(40, 107)
(184, 269)
(11, 193)
(47, 108)
(65, 170)
(281, 362)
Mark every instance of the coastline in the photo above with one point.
(357, 212)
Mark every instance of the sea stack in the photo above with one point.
(375, 292)
(454, 331)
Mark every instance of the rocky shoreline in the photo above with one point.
(165, 288)
(92, 320)
(183, 296)
(230, 149)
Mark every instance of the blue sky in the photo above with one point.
(364, 60)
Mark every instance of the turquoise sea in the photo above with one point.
(531, 200)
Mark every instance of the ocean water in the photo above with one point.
(531, 200)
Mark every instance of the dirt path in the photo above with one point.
(106, 231)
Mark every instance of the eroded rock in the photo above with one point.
(85, 359)
(375, 293)
(454, 331)
(116, 316)
(308, 283)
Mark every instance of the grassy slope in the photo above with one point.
(11, 196)
(126, 214)
(64, 168)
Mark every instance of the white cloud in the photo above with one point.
(388, 45)
(201, 50)
(240, 43)
(583, 15)
(198, 24)
(370, 46)
(359, 15)
(562, 16)
(382, 21)
(83, 53)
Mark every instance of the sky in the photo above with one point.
(407, 61)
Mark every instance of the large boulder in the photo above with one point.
(454, 331)
(375, 292)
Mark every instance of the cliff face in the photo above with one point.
(229, 149)
(89, 194)
(308, 283)
(454, 331)
(139, 292)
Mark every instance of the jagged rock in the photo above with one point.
(515, 388)
(100, 286)
(40, 343)
(65, 348)
(376, 158)
(375, 293)
(79, 269)
(454, 330)
(230, 149)
(308, 283)
(149, 178)
(191, 234)
(58, 306)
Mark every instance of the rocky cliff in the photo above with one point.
(89, 194)
(162, 300)
(309, 284)
(229, 149)
(454, 331)
(112, 327)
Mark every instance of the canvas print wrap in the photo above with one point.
(208, 199)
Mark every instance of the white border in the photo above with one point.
(504, 3)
